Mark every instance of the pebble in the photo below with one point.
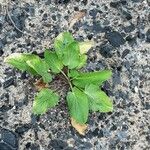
(57, 144)
(148, 36)
(97, 27)
(131, 40)
(136, 89)
(30, 9)
(1, 46)
(93, 13)
(125, 53)
(115, 38)
(4, 146)
(23, 128)
(1, 52)
(48, 2)
(62, 1)
(129, 28)
(136, 1)
(106, 50)
(126, 14)
(10, 138)
(8, 82)
(115, 4)
(5, 108)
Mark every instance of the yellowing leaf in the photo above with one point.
(81, 128)
(85, 46)
(83, 59)
(39, 85)
(18, 60)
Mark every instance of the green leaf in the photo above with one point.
(71, 56)
(85, 46)
(92, 78)
(41, 67)
(52, 60)
(83, 59)
(78, 105)
(44, 100)
(62, 41)
(18, 60)
(73, 73)
(99, 101)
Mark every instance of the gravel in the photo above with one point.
(121, 31)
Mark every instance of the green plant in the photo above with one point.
(69, 56)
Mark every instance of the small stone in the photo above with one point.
(63, 1)
(34, 119)
(125, 52)
(124, 127)
(30, 9)
(93, 13)
(48, 2)
(90, 36)
(115, 38)
(54, 17)
(106, 50)
(4, 146)
(1, 45)
(131, 40)
(114, 4)
(136, 89)
(23, 128)
(35, 147)
(19, 18)
(8, 82)
(58, 144)
(101, 134)
(97, 27)
(28, 145)
(147, 105)
(116, 78)
(86, 145)
(10, 138)
(95, 132)
(85, 2)
(2, 19)
(76, 9)
(127, 15)
(123, 2)
(106, 88)
(113, 128)
(1, 52)
(4, 97)
(5, 108)
(148, 36)
(129, 28)
(45, 17)
(136, 1)
(141, 35)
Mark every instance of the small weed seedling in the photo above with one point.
(84, 94)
